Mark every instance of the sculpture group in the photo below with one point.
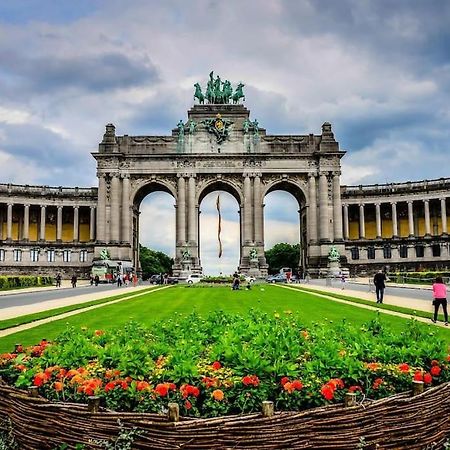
(218, 91)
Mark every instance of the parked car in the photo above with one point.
(278, 278)
(250, 279)
(194, 278)
(155, 279)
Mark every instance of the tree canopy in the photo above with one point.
(283, 255)
(153, 262)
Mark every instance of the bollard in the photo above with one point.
(350, 399)
(174, 412)
(33, 391)
(417, 387)
(93, 404)
(267, 409)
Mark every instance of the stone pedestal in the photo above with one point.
(334, 269)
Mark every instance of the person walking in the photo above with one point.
(379, 281)
(74, 281)
(96, 280)
(58, 280)
(439, 298)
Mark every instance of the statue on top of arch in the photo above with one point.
(218, 92)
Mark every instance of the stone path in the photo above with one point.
(413, 304)
(27, 326)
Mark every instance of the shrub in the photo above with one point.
(14, 282)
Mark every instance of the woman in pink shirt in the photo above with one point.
(440, 298)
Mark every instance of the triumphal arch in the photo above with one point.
(219, 147)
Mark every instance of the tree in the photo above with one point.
(283, 255)
(154, 262)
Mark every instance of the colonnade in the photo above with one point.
(25, 210)
(395, 219)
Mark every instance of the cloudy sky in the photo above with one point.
(378, 70)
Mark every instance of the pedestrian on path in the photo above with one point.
(74, 281)
(440, 298)
(58, 280)
(379, 282)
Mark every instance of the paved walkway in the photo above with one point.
(90, 295)
(412, 303)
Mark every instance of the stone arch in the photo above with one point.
(145, 187)
(291, 186)
(298, 191)
(221, 184)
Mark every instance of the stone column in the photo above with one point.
(181, 212)
(427, 217)
(101, 208)
(337, 207)
(312, 209)
(26, 222)
(362, 223)
(59, 223)
(346, 227)
(323, 207)
(378, 220)
(115, 208)
(42, 224)
(443, 216)
(258, 211)
(394, 220)
(126, 215)
(410, 218)
(76, 222)
(192, 231)
(247, 210)
(9, 222)
(92, 224)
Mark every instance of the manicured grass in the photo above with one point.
(15, 321)
(164, 304)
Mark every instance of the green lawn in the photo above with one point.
(182, 300)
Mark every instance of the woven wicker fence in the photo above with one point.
(398, 422)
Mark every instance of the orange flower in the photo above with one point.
(403, 367)
(58, 386)
(99, 332)
(216, 365)
(218, 395)
(187, 390)
(373, 366)
(71, 373)
(284, 380)
(210, 382)
(187, 404)
(142, 386)
(377, 383)
(20, 367)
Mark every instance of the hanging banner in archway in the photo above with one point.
(219, 225)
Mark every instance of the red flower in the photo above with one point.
(99, 332)
(162, 389)
(110, 386)
(434, 362)
(250, 380)
(187, 390)
(418, 376)
(327, 391)
(435, 371)
(40, 378)
(124, 385)
(403, 367)
(427, 378)
(297, 384)
(336, 383)
(354, 389)
(210, 382)
(216, 365)
(187, 404)
(284, 380)
(448, 358)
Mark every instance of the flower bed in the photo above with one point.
(228, 364)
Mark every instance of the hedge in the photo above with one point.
(16, 281)
(418, 277)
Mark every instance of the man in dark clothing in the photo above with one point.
(378, 281)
